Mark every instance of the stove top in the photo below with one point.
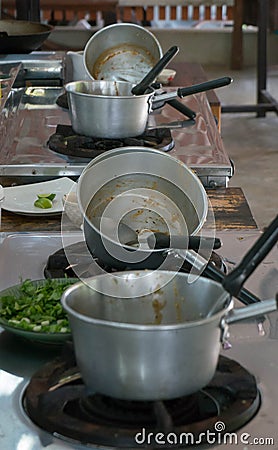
(56, 401)
(254, 354)
(31, 114)
(80, 148)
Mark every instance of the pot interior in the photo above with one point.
(144, 298)
(101, 88)
(122, 51)
(144, 202)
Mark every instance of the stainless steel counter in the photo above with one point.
(30, 115)
(25, 255)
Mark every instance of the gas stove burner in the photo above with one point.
(65, 409)
(66, 142)
(58, 265)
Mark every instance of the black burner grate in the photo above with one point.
(231, 397)
(74, 146)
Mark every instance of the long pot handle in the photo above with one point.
(162, 240)
(182, 108)
(141, 87)
(245, 296)
(202, 265)
(195, 89)
(173, 125)
(233, 282)
(255, 310)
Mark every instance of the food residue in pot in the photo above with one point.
(158, 307)
(178, 312)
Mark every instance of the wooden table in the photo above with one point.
(229, 205)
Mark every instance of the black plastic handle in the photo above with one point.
(206, 86)
(233, 282)
(179, 106)
(162, 240)
(245, 296)
(141, 87)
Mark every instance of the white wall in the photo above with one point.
(213, 46)
(204, 46)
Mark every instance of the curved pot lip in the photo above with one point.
(69, 87)
(217, 317)
(118, 25)
(144, 150)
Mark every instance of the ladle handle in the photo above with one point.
(141, 87)
(212, 272)
(244, 295)
(206, 86)
(233, 282)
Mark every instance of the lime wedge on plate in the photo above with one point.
(49, 196)
(43, 203)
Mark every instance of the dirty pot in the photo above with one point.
(144, 189)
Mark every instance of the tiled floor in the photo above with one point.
(251, 142)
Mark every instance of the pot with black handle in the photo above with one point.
(108, 109)
(159, 335)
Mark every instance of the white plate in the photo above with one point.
(20, 199)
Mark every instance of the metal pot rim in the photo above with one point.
(133, 149)
(69, 87)
(218, 316)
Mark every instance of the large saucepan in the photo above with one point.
(143, 189)
(146, 335)
(108, 109)
(20, 36)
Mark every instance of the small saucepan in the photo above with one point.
(158, 333)
(108, 109)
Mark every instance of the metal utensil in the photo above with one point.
(141, 87)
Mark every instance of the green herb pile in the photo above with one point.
(36, 307)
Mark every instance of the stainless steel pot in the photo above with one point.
(108, 109)
(144, 189)
(122, 51)
(156, 335)
(155, 347)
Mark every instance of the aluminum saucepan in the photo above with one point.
(108, 109)
(155, 335)
(122, 51)
(144, 189)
